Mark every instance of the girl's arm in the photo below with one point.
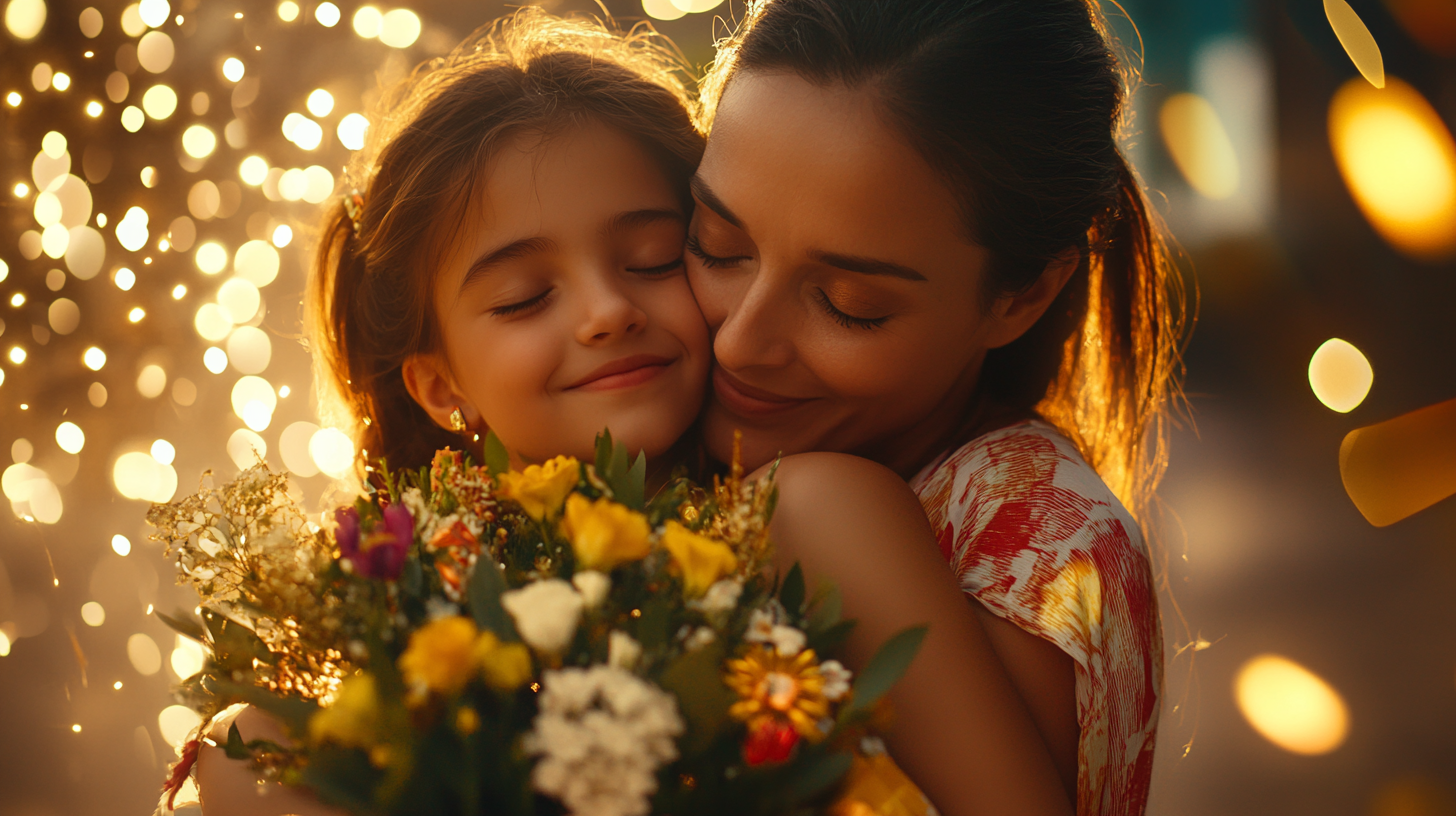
(961, 729)
(228, 787)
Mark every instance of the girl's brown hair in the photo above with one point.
(1018, 105)
(369, 305)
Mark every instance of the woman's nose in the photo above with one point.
(758, 330)
(608, 314)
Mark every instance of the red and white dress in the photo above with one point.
(1037, 537)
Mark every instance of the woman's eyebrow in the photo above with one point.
(515, 249)
(640, 218)
(702, 192)
(867, 266)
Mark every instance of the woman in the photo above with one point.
(917, 241)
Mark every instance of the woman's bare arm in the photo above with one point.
(229, 787)
(961, 729)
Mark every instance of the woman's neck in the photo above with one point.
(963, 415)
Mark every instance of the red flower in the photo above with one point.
(180, 770)
(771, 741)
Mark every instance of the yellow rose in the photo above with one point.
(353, 719)
(439, 655)
(604, 533)
(700, 559)
(541, 489)
(505, 666)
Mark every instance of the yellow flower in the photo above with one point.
(604, 533)
(700, 559)
(353, 719)
(772, 686)
(541, 489)
(505, 666)
(439, 657)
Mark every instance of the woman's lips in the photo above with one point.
(624, 373)
(745, 400)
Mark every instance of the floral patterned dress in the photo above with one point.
(1039, 539)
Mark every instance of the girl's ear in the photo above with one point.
(1015, 314)
(429, 382)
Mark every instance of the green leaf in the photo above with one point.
(791, 593)
(483, 593)
(604, 452)
(412, 578)
(827, 609)
(236, 748)
(292, 712)
(827, 641)
(697, 680)
(655, 625)
(817, 775)
(497, 458)
(886, 667)
(633, 490)
(234, 646)
(184, 625)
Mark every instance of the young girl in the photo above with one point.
(513, 261)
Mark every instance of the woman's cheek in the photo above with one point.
(711, 292)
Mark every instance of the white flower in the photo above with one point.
(700, 637)
(593, 586)
(720, 598)
(436, 608)
(623, 651)
(602, 733)
(836, 679)
(788, 640)
(762, 629)
(546, 613)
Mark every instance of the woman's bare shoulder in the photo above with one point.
(840, 486)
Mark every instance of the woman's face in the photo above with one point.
(563, 306)
(835, 271)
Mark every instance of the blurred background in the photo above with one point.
(160, 167)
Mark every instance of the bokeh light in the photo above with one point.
(246, 448)
(145, 657)
(24, 19)
(233, 69)
(70, 437)
(327, 14)
(367, 22)
(332, 451)
(94, 358)
(199, 141)
(288, 11)
(215, 360)
(159, 102)
(1291, 706)
(187, 657)
(320, 103)
(1339, 375)
(121, 545)
(293, 448)
(1357, 41)
(93, 613)
(1399, 162)
(1199, 145)
(662, 9)
(399, 28)
(176, 722)
(352, 129)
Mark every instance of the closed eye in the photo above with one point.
(654, 271)
(528, 305)
(846, 320)
(710, 261)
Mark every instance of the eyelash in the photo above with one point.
(525, 305)
(846, 320)
(654, 271)
(710, 261)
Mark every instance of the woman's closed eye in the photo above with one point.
(708, 260)
(527, 306)
(845, 319)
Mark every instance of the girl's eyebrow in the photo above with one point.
(515, 249)
(639, 218)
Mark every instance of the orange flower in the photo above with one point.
(772, 687)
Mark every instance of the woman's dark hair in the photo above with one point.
(370, 304)
(1018, 105)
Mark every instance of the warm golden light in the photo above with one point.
(399, 28)
(132, 118)
(320, 103)
(70, 437)
(1399, 161)
(25, 18)
(145, 657)
(288, 11)
(176, 722)
(253, 170)
(662, 9)
(327, 14)
(211, 258)
(233, 69)
(1400, 467)
(12, 99)
(332, 451)
(199, 141)
(1199, 145)
(121, 545)
(351, 131)
(1291, 706)
(136, 315)
(93, 109)
(93, 614)
(159, 102)
(94, 358)
(17, 355)
(367, 21)
(1340, 375)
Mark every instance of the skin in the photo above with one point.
(849, 313)
(570, 261)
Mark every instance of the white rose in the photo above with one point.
(623, 651)
(546, 613)
(593, 586)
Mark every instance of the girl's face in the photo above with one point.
(564, 307)
(833, 266)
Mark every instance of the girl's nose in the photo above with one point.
(608, 314)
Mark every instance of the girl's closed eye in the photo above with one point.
(530, 305)
(661, 270)
(708, 259)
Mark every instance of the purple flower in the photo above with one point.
(380, 554)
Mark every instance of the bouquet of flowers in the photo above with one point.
(468, 639)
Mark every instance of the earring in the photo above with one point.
(457, 421)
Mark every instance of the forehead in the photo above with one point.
(820, 150)
(565, 177)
